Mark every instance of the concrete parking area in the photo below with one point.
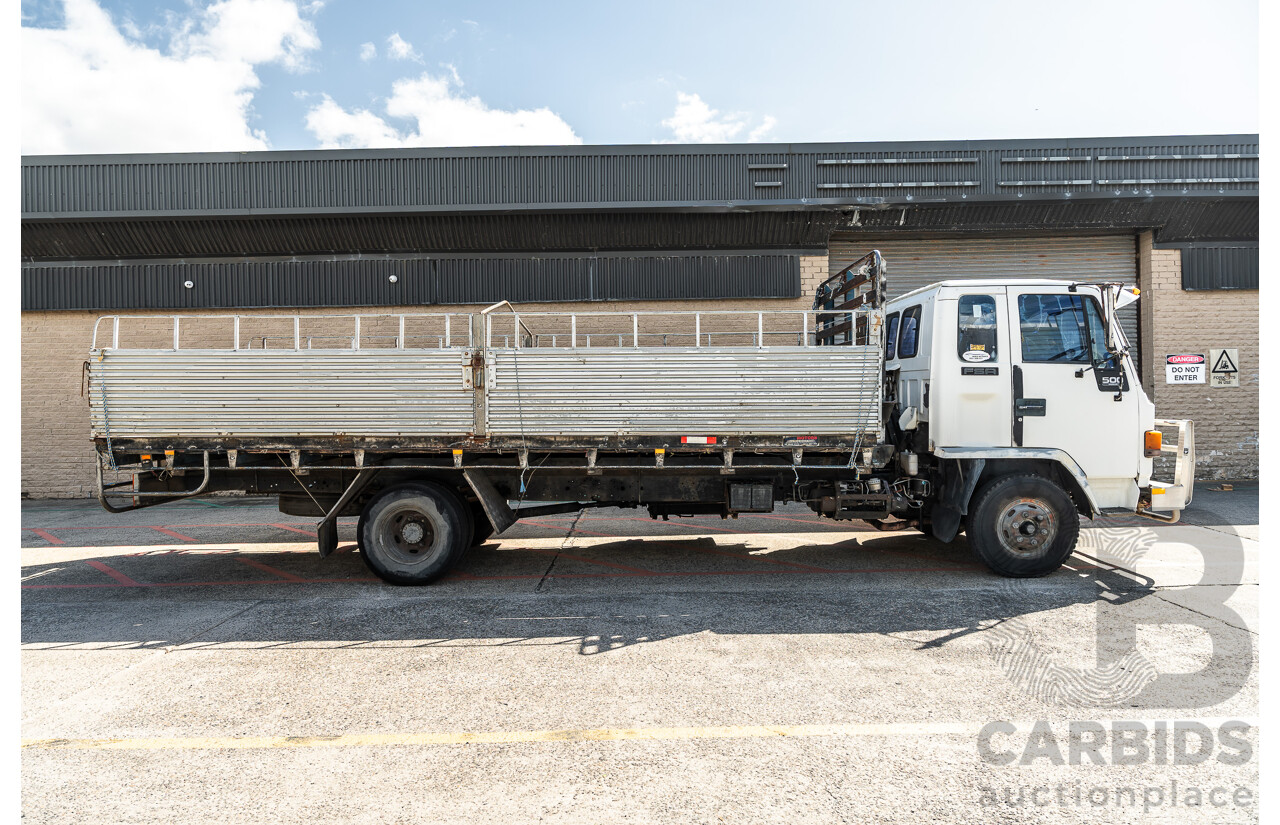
(198, 662)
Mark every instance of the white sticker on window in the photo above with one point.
(976, 355)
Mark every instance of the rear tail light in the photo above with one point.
(1152, 442)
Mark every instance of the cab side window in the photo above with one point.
(1055, 328)
(909, 335)
(976, 339)
(891, 336)
(1097, 332)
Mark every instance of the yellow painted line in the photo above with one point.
(501, 737)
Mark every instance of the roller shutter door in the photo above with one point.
(915, 263)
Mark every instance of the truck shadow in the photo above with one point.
(599, 598)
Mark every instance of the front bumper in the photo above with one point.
(1165, 500)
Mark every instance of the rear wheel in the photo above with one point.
(1023, 525)
(414, 533)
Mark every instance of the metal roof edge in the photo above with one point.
(634, 149)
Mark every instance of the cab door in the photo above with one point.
(1068, 392)
(971, 369)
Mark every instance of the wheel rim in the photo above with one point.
(1027, 527)
(408, 535)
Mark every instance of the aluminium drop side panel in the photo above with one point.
(284, 393)
(684, 391)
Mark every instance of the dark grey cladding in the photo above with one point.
(332, 235)
(419, 281)
(1226, 265)
(571, 178)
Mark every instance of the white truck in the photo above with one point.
(1006, 409)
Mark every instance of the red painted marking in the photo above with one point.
(257, 565)
(533, 523)
(638, 570)
(47, 536)
(124, 580)
(174, 533)
(311, 533)
(343, 520)
(201, 584)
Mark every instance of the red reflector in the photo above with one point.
(697, 439)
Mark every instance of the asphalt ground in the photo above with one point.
(198, 662)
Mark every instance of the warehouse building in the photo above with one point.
(638, 228)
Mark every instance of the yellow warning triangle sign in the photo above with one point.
(1224, 363)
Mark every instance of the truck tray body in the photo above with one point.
(536, 389)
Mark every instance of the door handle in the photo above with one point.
(1029, 406)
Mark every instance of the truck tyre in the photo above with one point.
(482, 528)
(1023, 525)
(414, 533)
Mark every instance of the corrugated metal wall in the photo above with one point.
(447, 179)
(915, 263)
(1220, 266)
(419, 281)
(460, 233)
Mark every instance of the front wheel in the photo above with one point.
(414, 533)
(1023, 525)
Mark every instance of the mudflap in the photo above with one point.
(959, 479)
(494, 503)
(327, 529)
(327, 537)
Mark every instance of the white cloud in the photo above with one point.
(695, 122)
(400, 49)
(368, 51)
(253, 31)
(89, 88)
(441, 116)
(762, 131)
(357, 129)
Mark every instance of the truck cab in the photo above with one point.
(1034, 377)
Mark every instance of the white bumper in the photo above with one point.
(1175, 495)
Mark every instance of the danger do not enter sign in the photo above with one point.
(1184, 369)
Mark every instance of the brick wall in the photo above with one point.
(1178, 321)
(57, 452)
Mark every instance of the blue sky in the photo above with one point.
(102, 76)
